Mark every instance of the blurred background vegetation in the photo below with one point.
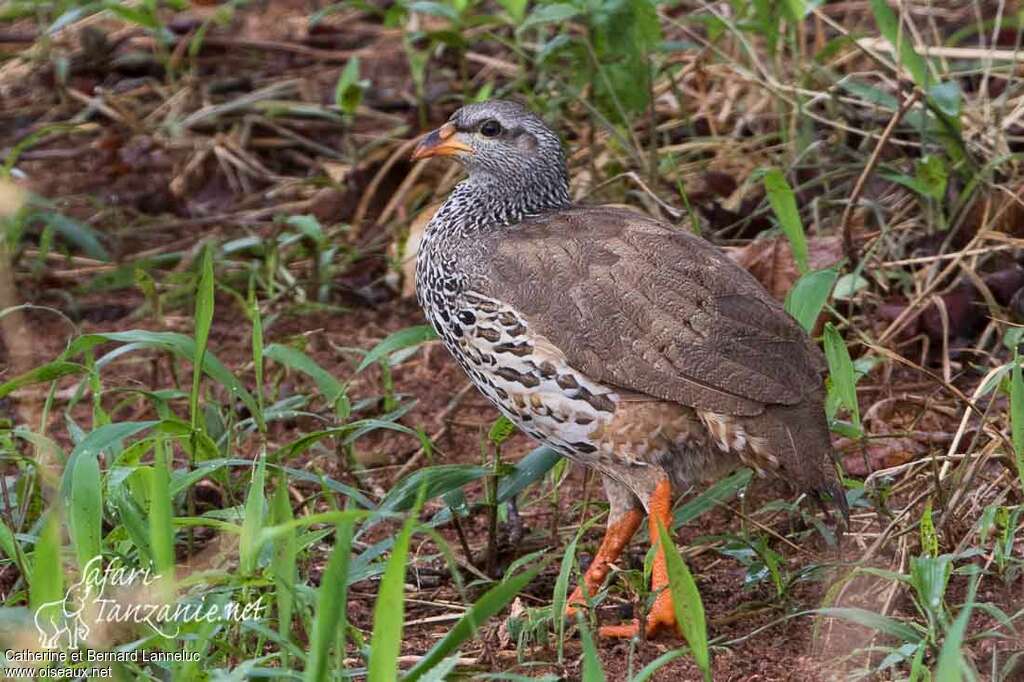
(211, 366)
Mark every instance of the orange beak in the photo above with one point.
(441, 142)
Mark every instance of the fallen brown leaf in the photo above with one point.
(771, 260)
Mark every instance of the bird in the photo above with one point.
(626, 344)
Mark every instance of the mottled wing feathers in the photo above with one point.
(652, 309)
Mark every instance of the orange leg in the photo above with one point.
(616, 537)
(662, 615)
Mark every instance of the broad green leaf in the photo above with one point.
(501, 430)
(930, 576)
(948, 98)
(848, 286)
(808, 296)
(182, 481)
(308, 225)
(841, 372)
(133, 15)
(530, 469)
(797, 10)
(493, 601)
(689, 608)
(516, 10)
(126, 494)
(783, 202)
(932, 174)
(442, 671)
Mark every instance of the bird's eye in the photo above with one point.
(490, 128)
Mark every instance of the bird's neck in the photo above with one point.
(484, 201)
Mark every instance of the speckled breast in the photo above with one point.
(525, 378)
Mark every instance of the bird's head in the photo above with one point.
(499, 140)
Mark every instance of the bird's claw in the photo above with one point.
(661, 618)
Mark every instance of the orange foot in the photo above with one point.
(663, 614)
(616, 537)
(661, 618)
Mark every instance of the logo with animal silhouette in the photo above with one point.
(65, 623)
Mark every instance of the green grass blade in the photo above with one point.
(203, 321)
(258, 353)
(783, 202)
(889, 25)
(658, 663)
(51, 371)
(332, 598)
(98, 440)
(403, 338)
(389, 611)
(809, 294)
(331, 388)
(951, 664)
(283, 566)
(714, 495)
(592, 670)
(875, 621)
(687, 603)
(78, 234)
(253, 524)
(840, 368)
(1017, 416)
(46, 582)
(431, 481)
(179, 344)
(9, 547)
(85, 510)
(161, 512)
(486, 606)
(561, 592)
(529, 469)
(441, 671)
